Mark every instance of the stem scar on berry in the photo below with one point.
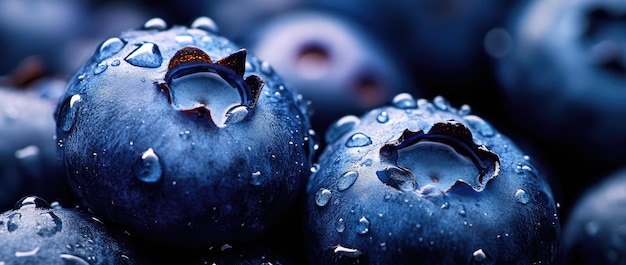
(194, 83)
(469, 163)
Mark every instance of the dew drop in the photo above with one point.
(441, 103)
(149, 169)
(404, 101)
(14, 221)
(67, 114)
(464, 110)
(521, 196)
(382, 117)
(21, 254)
(255, 178)
(341, 225)
(358, 140)
(31, 202)
(236, 114)
(155, 23)
(115, 62)
(267, 68)
(346, 180)
(185, 135)
(322, 196)
(363, 226)
(479, 125)
(205, 23)
(479, 256)
(185, 39)
(341, 127)
(49, 224)
(146, 55)
(110, 47)
(445, 205)
(70, 259)
(101, 67)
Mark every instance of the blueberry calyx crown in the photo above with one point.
(448, 148)
(194, 83)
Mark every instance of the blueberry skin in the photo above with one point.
(36, 233)
(137, 156)
(563, 76)
(594, 229)
(378, 197)
(28, 157)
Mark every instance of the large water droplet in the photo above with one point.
(340, 127)
(31, 202)
(382, 117)
(110, 47)
(346, 180)
(70, 259)
(363, 226)
(358, 140)
(14, 221)
(479, 256)
(404, 101)
(236, 114)
(255, 178)
(322, 196)
(341, 225)
(205, 23)
(155, 23)
(146, 55)
(68, 112)
(101, 67)
(395, 177)
(49, 224)
(149, 169)
(521, 196)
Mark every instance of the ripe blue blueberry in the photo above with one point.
(34, 232)
(28, 157)
(420, 181)
(594, 231)
(182, 137)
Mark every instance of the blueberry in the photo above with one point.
(562, 76)
(34, 232)
(183, 138)
(423, 182)
(594, 231)
(331, 60)
(28, 157)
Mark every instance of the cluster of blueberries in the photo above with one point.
(313, 132)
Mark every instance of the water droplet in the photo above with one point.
(236, 114)
(255, 178)
(346, 180)
(479, 125)
(521, 196)
(464, 110)
(14, 221)
(441, 103)
(48, 224)
(31, 202)
(445, 205)
(267, 68)
(110, 47)
(73, 259)
(404, 101)
(363, 226)
(205, 23)
(21, 254)
(358, 140)
(249, 67)
(341, 225)
(185, 135)
(382, 117)
(115, 62)
(185, 39)
(101, 67)
(155, 23)
(479, 256)
(67, 114)
(462, 211)
(146, 55)
(149, 169)
(340, 127)
(322, 196)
